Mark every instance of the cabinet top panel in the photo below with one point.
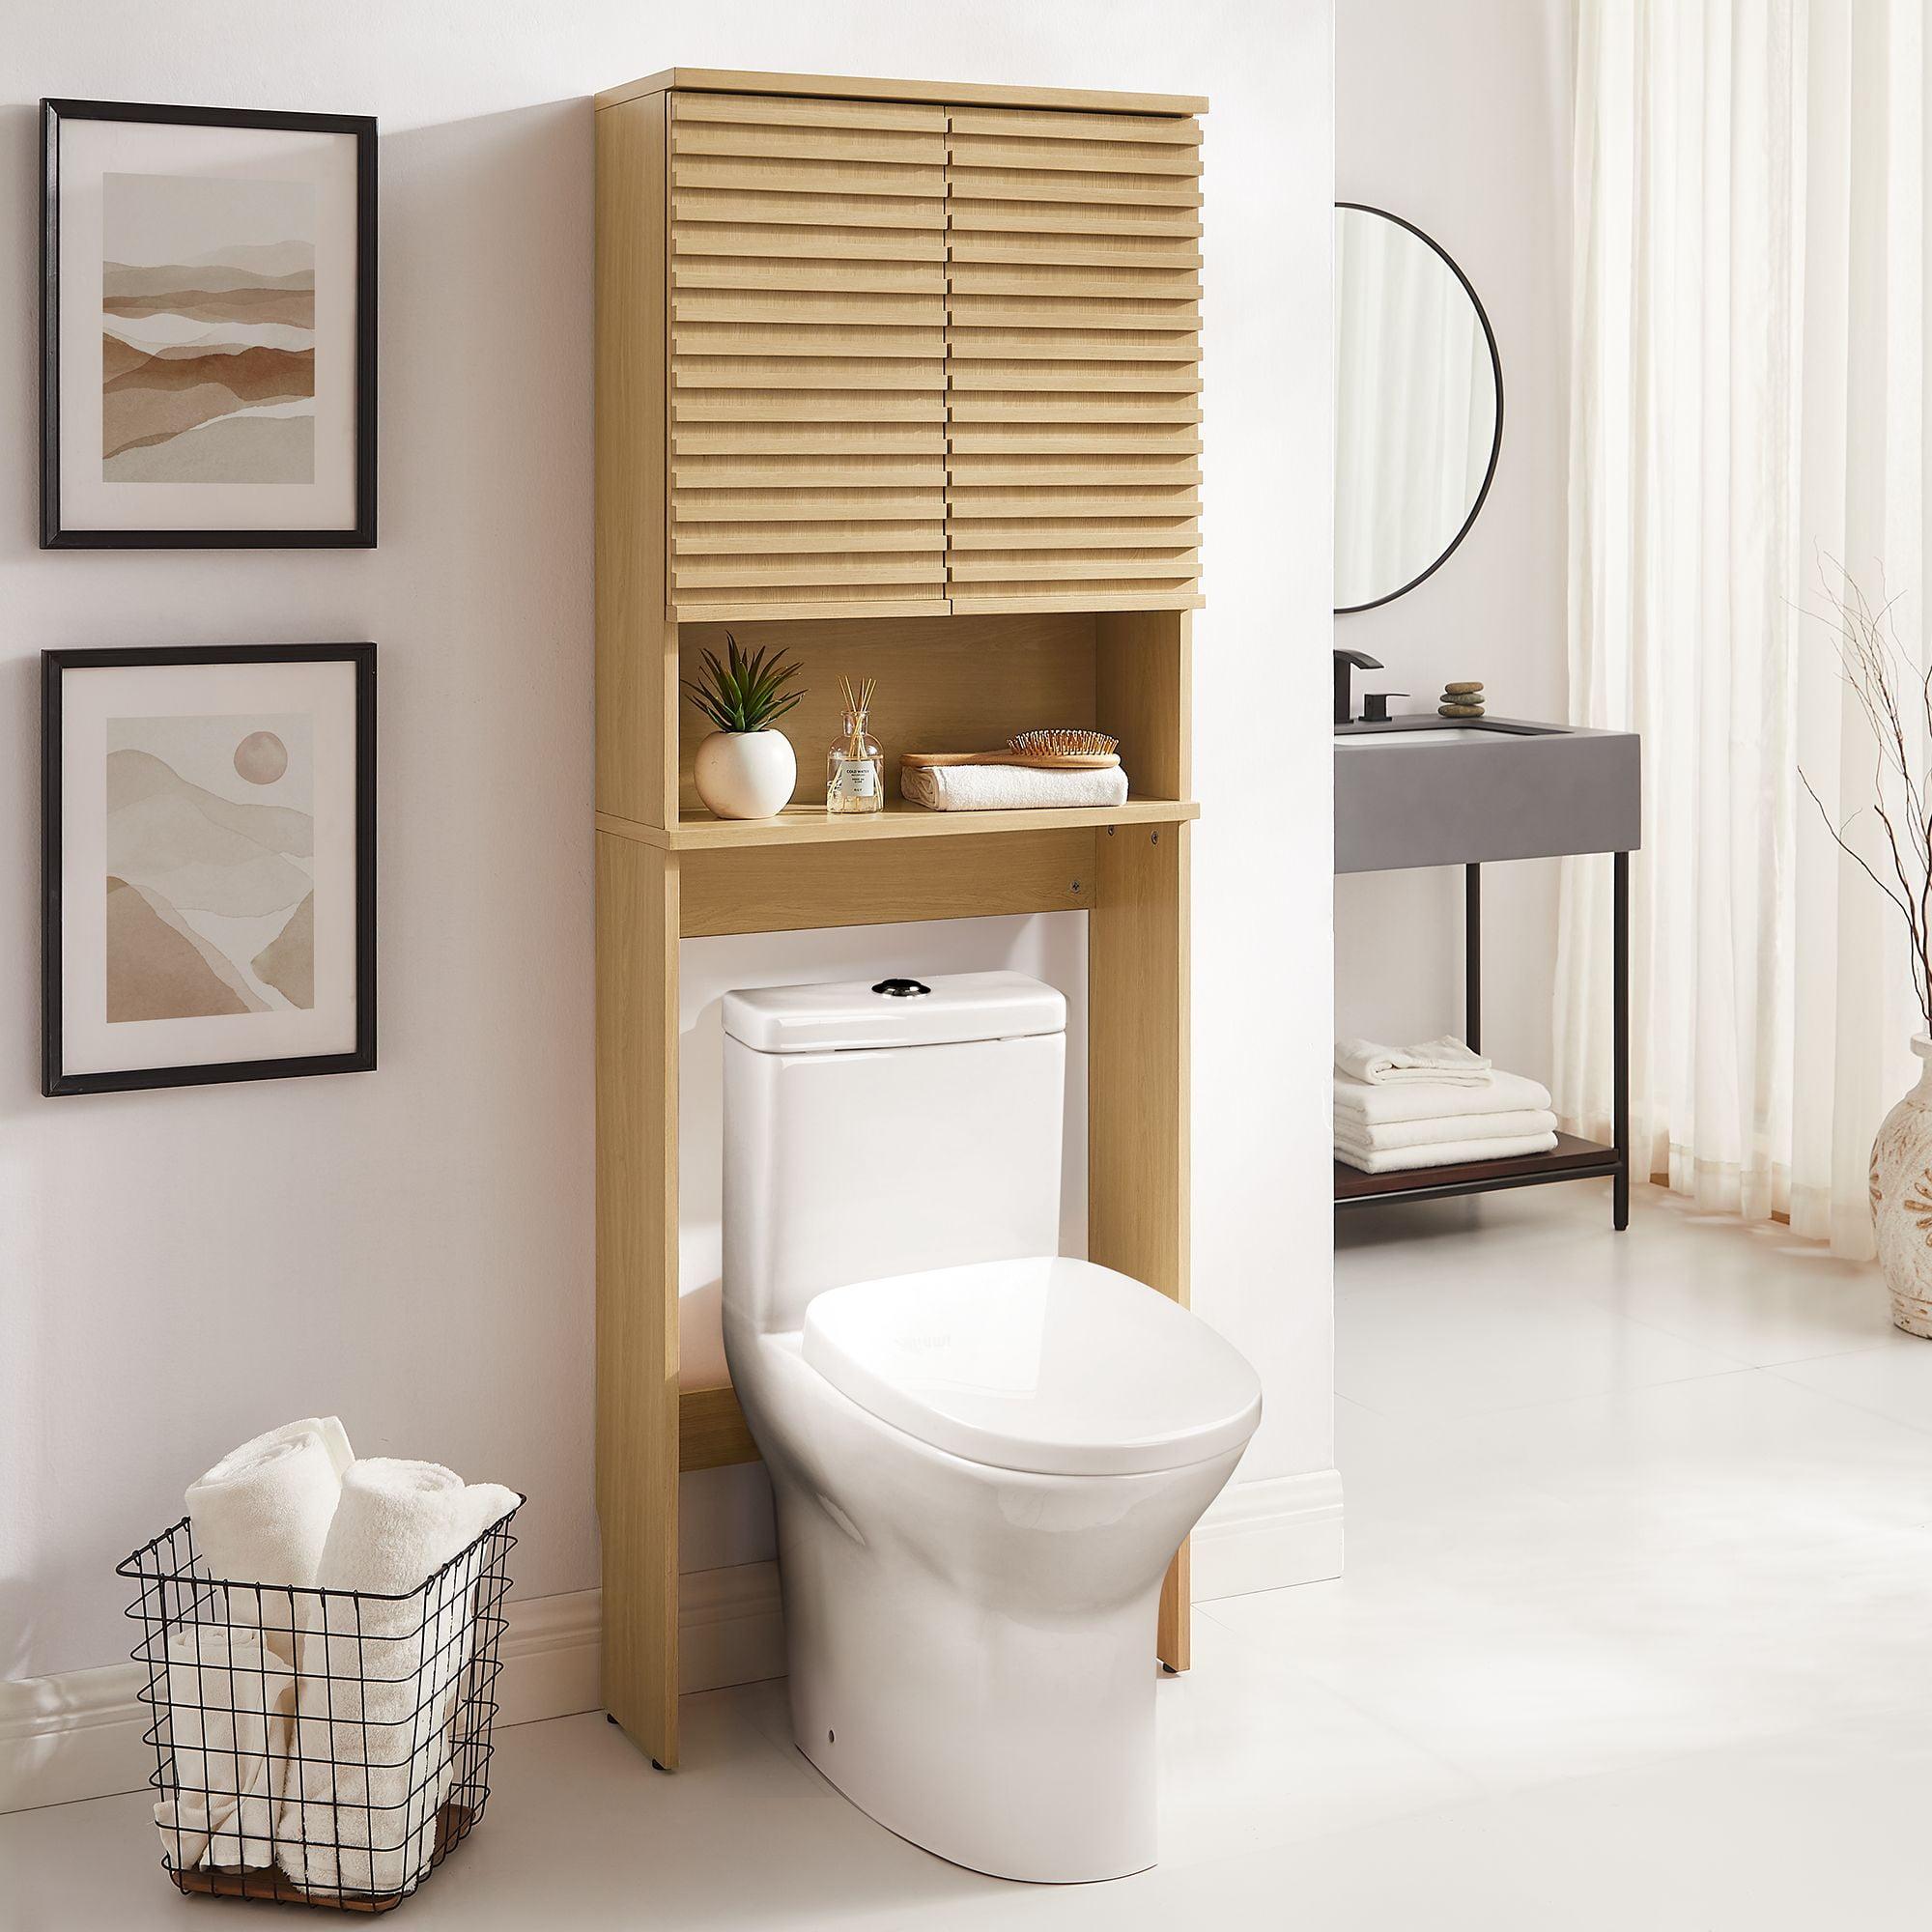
(951, 94)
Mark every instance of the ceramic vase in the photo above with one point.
(1901, 1201)
(745, 774)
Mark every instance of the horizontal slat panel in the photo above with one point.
(1012, 122)
(965, 505)
(741, 606)
(969, 216)
(999, 469)
(1047, 595)
(852, 372)
(1103, 251)
(1136, 315)
(747, 539)
(923, 181)
(726, 271)
(708, 493)
(1147, 566)
(827, 244)
(793, 208)
(810, 308)
(1048, 408)
(808, 472)
(810, 439)
(813, 144)
(993, 278)
(766, 110)
(1016, 346)
(1036, 531)
(777, 342)
(698, 574)
(858, 407)
(970, 376)
(1083, 439)
(964, 184)
(1073, 158)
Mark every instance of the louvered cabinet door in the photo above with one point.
(808, 379)
(1074, 404)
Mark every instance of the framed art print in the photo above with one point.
(208, 864)
(208, 327)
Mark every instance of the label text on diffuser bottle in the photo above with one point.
(857, 777)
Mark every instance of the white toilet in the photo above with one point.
(984, 1455)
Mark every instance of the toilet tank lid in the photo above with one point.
(950, 1007)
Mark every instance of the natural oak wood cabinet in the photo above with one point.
(901, 377)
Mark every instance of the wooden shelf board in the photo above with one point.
(1571, 1158)
(810, 824)
(944, 94)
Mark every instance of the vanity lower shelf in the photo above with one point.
(1570, 1159)
(813, 825)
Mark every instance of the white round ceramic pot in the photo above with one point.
(745, 774)
(1901, 1201)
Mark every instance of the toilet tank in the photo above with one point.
(873, 1129)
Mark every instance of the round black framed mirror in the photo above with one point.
(1418, 406)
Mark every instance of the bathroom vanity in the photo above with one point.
(1421, 792)
(903, 378)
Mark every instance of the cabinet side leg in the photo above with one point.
(1137, 1090)
(637, 1286)
(1620, 1045)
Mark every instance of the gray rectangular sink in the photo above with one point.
(1420, 791)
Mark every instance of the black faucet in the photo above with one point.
(1344, 696)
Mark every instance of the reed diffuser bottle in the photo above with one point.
(855, 768)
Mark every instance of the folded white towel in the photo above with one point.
(1433, 1060)
(1009, 788)
(1442, 1154)
(262, 1516)
(1351, 1132)
(379, 1688)
(1434, 1100)
(230, 1703)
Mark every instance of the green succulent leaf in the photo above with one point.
(744, 693)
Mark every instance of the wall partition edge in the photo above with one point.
(869, 362)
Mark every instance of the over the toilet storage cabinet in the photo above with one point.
(904, 379)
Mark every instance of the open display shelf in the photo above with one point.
(810, 824)
(1570, 1159)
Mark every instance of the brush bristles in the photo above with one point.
(1063, 744)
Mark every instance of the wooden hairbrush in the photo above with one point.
(1048, 750)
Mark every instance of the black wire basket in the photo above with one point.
(323, 1747)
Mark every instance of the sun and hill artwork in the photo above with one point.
(211, 866)
(208, 321)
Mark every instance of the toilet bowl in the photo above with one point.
(983, 1455)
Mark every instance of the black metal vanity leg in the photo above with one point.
(1472, 957)
(1620, 921)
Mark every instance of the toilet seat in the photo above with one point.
(1049, 1365)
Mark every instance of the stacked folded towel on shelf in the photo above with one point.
(1434, 1106)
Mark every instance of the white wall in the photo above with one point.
(414, 1246)
(1458, 118)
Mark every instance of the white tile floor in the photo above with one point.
(1636, 1633)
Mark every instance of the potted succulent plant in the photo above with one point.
(745, 769)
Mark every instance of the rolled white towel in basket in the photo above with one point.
(262, 1516)
(379, 1688)
(1009, 788)
(230, 1705)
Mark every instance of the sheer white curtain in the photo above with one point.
(1748, 400)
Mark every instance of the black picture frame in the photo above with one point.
(56, 1081)
(361, 535)
(1455, 543)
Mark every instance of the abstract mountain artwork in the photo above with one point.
(208, 329)
(210, 867)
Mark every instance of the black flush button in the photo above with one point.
(900, 989)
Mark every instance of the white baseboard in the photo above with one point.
(1269, 1535)
(78, 1734)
